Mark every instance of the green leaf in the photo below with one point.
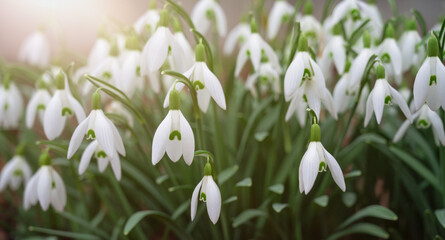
(421, 21)
(371, 211)
(227, 174)
(230, 199)
(278, 207)
(161, 179)
(138, 216)
(180, 187)
(349, 198)
(260, 136)
(440, 214)
(181, 209)
(277, 188)
(352, 174)
(363, 228)
(247, 215)
(246, 182)
(322, 201)
(71, 235)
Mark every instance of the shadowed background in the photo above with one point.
(73, 24)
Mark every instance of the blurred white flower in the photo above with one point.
(35, 50)
(149, 20)
(267, 78)
(342, 97)
(45, 187)
(333, 53)
(61, 105)
(15, 172)
(411, 53)
(11, 105)
(185, 45)
(208, 192)
(425, 118)
(358, 65)
(429, 84)
(238, 35)
(37, 105)
(97, 126)
(389, 53)
(94, 149)
(174, 135)
(205, 13)
(99, 52)
(318, 159)
(280, 12)
(382, 94)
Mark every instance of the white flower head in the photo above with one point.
(238, 35)
(304, 80)
(389, 53)
(159, 46)
(267, 78)
(97, 126)
(334, 53)
(342, 97)
(15, 171)
(317, 159)
(425, 118)
(184, 43)
(382, 94)
(37, 104)
(280, 12)
(94, 149)
(35, 50)
(99, 52)
(207, 191)
(174, 135)
(205, 82)
(429, 84)
(411, 53)
(207, 11)
(149, 20)
(45, 187)
(11, 104)
(358, 65)
(253, 49)
(130, 77)
(311, 27)
(61, 105)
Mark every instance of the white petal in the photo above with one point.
(214, 87)
(77, 108)
(220, 19)
(44, 187)
(213, 199)
(378, 99)
(188, 141)
(401, 132)
(203, 99)
(77, 137)
(255, 50)
(30, 195)
(86, 156)
(398, 99)
(31, 110)
(104, 133)
(115, 163)
(53, 121)
(339, 54)
(369, 108)
(310, 164)
(160, 139)
(174, 149)
(194, 200)
(59, 191)
(437, 125)
(156, 49)
(242, 58)
(102, 163)
(118, 144)
(294, 74)
(335, 169)
(6, 174)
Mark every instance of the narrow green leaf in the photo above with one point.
(230, 199)
(72, 235)
(138, 216)
(440, 214)
(226, 174)
(246, 182)
(260, 136)
(349, 198)
(277, 188)
(420, 20)
(371, 211)
(181, 209)
(278, 207)
(352, 174)
(247, 215)
(180, 187)
(161, 179)
(322, 201)
(361, 228)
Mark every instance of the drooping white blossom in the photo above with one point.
(14, 172)
(389, 53)
(37, 105)
(412, 54)
(238, 35)
(207, 12)
(281, 11)
(11, 104)
(35, 50)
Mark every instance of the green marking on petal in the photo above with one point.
(355, 14)
(310, 34)
(198, 85)
(210, 14)
(66, 112)
(106, 75)
(305, 98)
(322, 167)
(174, 134)
(41, 107)
(138, 71)
(17, 172)
(307, 74)
(101, 154)
(433, 79)
(422, 123)
(386, 58)
(6, 106)
(388, 100)
(91, 134)
(248, 53)
(285, 18)
(203, 197)
(331, 55)
(53, 184)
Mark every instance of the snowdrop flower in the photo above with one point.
(342, 97)
(304, 80)
(383, 94)
(95, 150)
(161, 43)
(11, 104)
(411, 54)
(46, 187)
(298, 106)
(334, 53)
(358, 66)
(390, 55)
(97, 126)
(149, 20)
(311, 27)
(207, 11)
(35, 50)
(239, 34)
(208, 192)
(425, 118)
(318, 159)
(429, 84)
(99, 52)
(37, 104)
(253, 49)
(61, 105)
(353, 9)
(130, 75)
(280, 12)
(205, 82)
(267, 76)
(174, 135)
(15, 171)
(184, 43)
